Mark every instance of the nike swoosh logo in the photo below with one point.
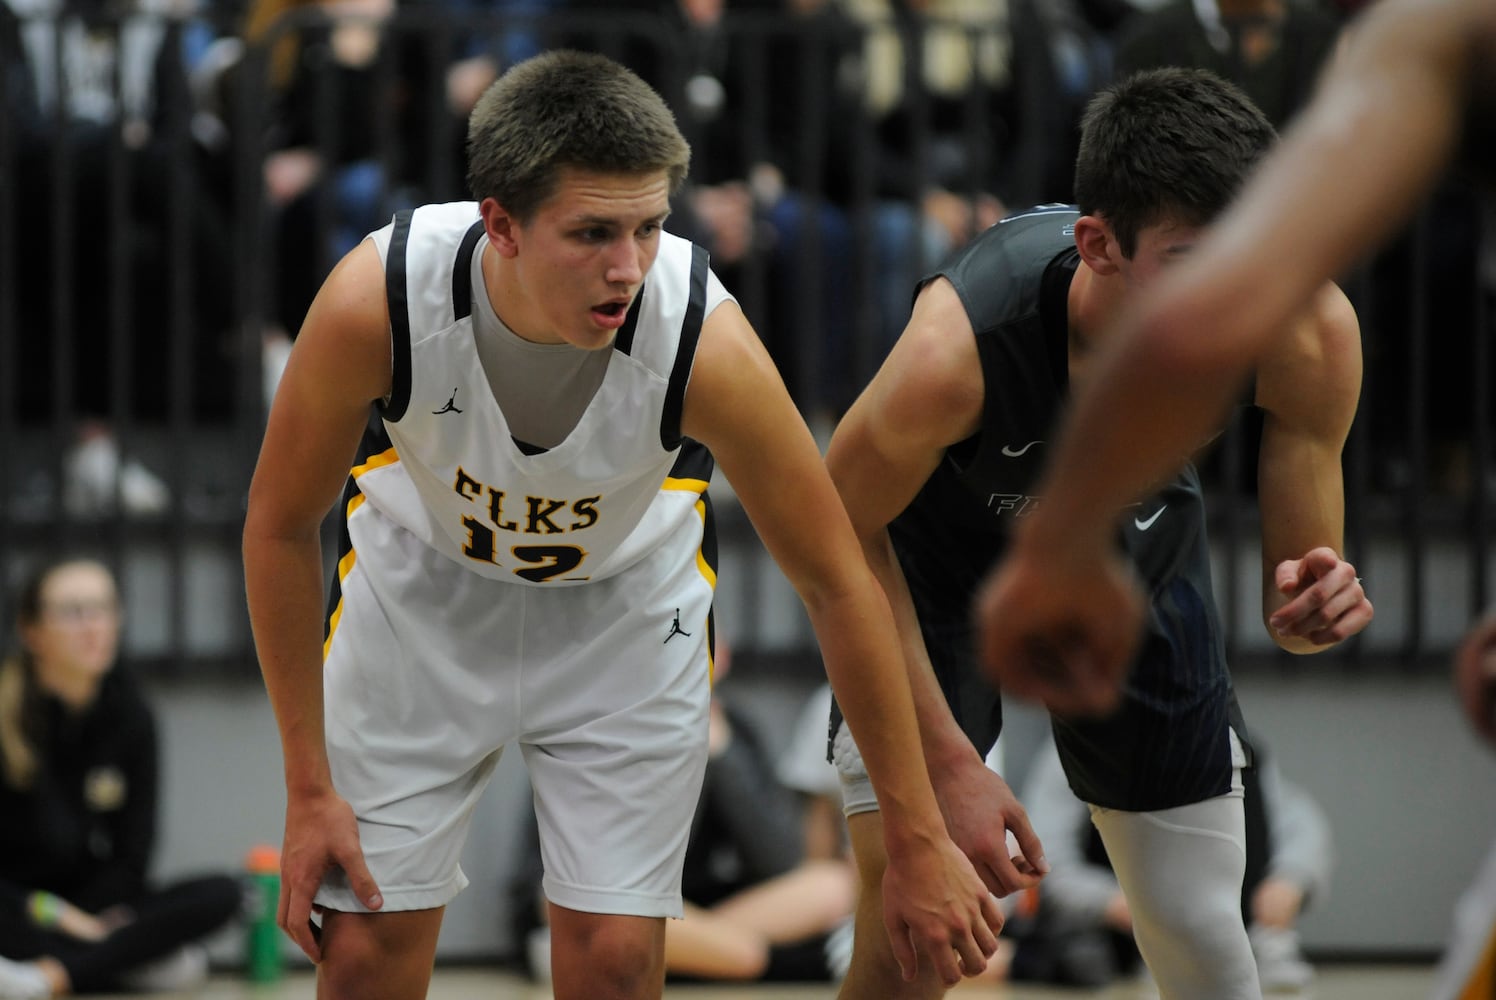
(1008, 449)
(1145, 525)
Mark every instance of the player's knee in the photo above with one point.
(357, 970)
(344, 977)
(377, 956)
(609, 959)
(1202, 912)
(1208, 934)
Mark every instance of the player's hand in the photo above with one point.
(321, 834)
(1475, 676)
(1061, 630)
(980, 813)
(935, 906)
(1327, 603)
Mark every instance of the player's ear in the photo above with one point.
(1097, 244)
(502, 228)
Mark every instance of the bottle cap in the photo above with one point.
(263, 859)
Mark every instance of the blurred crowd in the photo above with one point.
(182, 174)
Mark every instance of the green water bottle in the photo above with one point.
(262, 949)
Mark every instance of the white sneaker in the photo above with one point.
(22, 981)
(183, 969)
(1280, 965)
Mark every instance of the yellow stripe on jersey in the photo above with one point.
(345, 566)
(684, 485)
(386, 457)
(697, 486)
(701, 564)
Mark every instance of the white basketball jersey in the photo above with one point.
(444, 466)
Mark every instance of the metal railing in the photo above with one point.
(142, 264)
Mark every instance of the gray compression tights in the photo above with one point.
(1181, 870)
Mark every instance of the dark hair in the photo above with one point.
(18, 750)
(1166, 145)
(567, 109)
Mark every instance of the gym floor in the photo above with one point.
(1335, 982)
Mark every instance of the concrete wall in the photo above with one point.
(1411, 795)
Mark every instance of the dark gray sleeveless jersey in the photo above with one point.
(1167, 745)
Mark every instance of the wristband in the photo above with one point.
(45, 909)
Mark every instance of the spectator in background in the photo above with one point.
(482, 56)
(1080, 933)
(351, 134)
(1272, 49)
(937, 83)
(78, 809)
(125, 260)
(1062, 55)
(927, 65)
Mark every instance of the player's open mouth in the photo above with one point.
(610, 314)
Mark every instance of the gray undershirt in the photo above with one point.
(542, 389)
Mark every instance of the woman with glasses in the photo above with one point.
(79, 780)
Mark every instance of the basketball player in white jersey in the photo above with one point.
(527, 558)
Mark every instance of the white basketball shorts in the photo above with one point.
(431, 670)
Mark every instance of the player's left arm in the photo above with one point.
(1308, 391)
(736, 404)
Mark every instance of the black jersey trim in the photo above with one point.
(526, 448)
(462, 272)
(685, 352)
(695, 461)
(375, 441)
(624, 342)
(1054, 312)
(399, 303)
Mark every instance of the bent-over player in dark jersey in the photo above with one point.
(936, 463)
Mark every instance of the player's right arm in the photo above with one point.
(927, 396)
(338, 366)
